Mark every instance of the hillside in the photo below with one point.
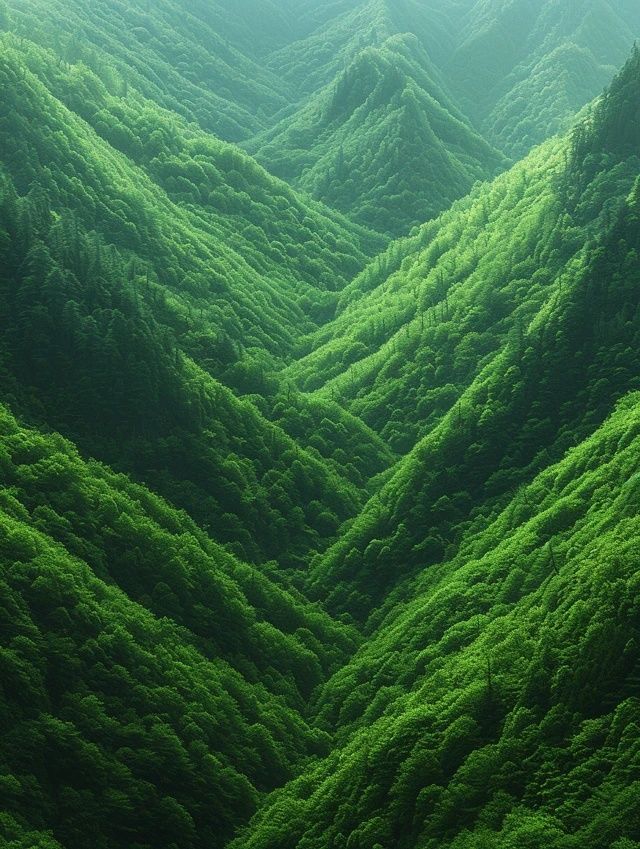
(141, 664)
(130, 291)
(495, 700)
(517, 70)
(312, 537)
(381, 143)
(499, 706)
(522, 69)
(497, 399)
(196, 63)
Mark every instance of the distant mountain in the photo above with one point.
(521, 69)
(382, 142)
(197, 61)
(438, 89)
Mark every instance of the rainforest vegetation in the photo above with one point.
(319, 424)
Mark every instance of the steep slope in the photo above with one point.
(499, 705)
(518, 70)
(522, 69)
(338, 31)
(419, 323)
(151, 684)
(111, 288)
(225, 436)
(89, 350)
(382, 142)
(547, 372)
(197, 62)
(134, 159)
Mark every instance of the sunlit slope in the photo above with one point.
(420, 322)
(554, 374)
(382, 142)
(91, 349)
(498, 707)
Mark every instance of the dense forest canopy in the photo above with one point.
(319, 424)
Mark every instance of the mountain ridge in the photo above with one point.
(311, 538)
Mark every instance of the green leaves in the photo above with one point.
(220, 418)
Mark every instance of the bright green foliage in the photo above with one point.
(564, 348)
(309, 540)
(500, 706)
(84, 351)
(96, 337)
(420, 321)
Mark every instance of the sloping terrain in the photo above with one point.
(310, 539)
(114, 285)
(381, 143)
(499, 705)
(522, 69)
(143, 692)
(543, 374)
(196, 61)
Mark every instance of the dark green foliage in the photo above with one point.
(106, 707)
(310, 541)
(84, 352)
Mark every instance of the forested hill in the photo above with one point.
(381, 142)
(311, 537)
(144, 263)
(495, 701)
(443, 94)
(516, 71)
(523, 68)
(483, 355)
(192, 60)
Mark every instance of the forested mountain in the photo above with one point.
(192, 60)
(521, 69)
(445, 92)
(312, 537)
(516, 71)
(499, 707)
(382, 142)
(495, 701)
(123, 271)
(500, 349)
